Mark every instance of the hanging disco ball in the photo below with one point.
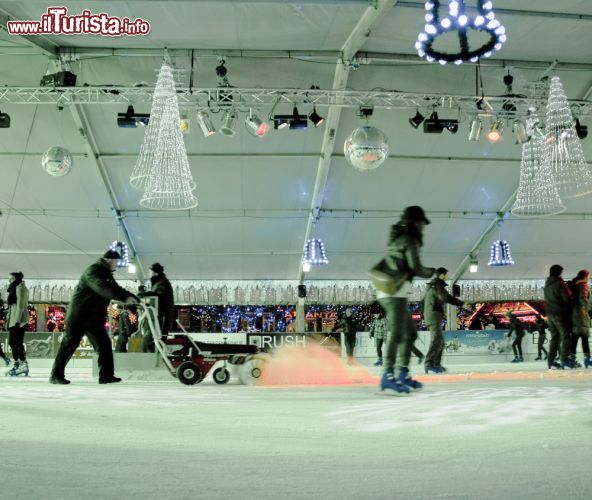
(366, 148)
(57, 161)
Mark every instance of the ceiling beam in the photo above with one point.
(368, 21)
(90, 144)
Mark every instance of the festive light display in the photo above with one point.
(537, 193)
(121, 247)
(500, 254)
(162, 169)
(314, 253)
(459, 21)
(562, 146)
(366, 148)
(57, 161)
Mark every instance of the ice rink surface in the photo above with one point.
(462, 437)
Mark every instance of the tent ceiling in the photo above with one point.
(254, 193)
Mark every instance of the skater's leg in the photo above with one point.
(409, 335)
(379, 343)
(102, 345)
(70, 342)
(555, 339)
(519, 346)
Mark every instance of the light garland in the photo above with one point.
(162, 169)
(500, 254)
(458, 20)
(314, 253)
(562, 147)
(121, 248)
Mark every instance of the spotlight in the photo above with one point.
(131, 269)
(495, 132)
(4, 120)
(305, 267)
(474, 267)
(256, 126)
(184, 125)
(298, 121)
(520, 132)
(315, 118)
(131, 119)
(417, 120)
(205, 124)
(475, 129)
(435, 125)
(295, 121)
(228, 124)
(581, 130)
(281, 121)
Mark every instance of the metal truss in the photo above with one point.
(244, 98)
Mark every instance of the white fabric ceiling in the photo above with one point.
(255, 193)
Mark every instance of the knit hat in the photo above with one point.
(157, 268)
(111, 254)
(415, 214)
(18, 275)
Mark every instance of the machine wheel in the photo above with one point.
(189, 373)
(221, 375)
(250, 371)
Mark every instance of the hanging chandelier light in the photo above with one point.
(537, 193)
(500, 254)
(459, 21)
(314, 253)
(162, 169)
(562, 146)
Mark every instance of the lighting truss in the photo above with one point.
(257, 98)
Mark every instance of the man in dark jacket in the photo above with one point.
(433, 312)
(124, 329)
(349, 327)
(517, 328)
(558, 316)
(161, 286)
(540, 327)
(86, 316)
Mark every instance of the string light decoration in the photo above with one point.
(537, 193)
(458, 20)
(162, 169)
(314, 253)
(121, 248)
(500, 254)
(562, 146)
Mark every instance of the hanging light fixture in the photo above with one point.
(255, 125)
(563, 149)
(495, 132)
(314, 253)
(500, 254)
(460, 22)
(316, 119)
(205, 124)
(520, 132)
(228, 124)
(417, 120)
(474, 266)
(475, 129)
(305, 267)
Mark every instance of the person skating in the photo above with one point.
(124, 329)
(16, 320)
(516, 328)
(433, 312)
(86, 316)
(349, 327)
(580, 317)
(540, 327)
(559, 305)
(403, 259)
(378, 331)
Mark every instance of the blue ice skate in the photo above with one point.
(388, 381)
(587, 362)
(405, 379)
(21, 368)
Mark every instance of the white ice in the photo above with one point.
(159, 439)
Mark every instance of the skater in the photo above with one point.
(580, 317)
(124, 329)
(348, 326)
(16, 321)
(559, 305)
(516, 327)
(161, 286)
(403, 260)
(86, 316)
(541, 326)
(433, 312)
(378, 331)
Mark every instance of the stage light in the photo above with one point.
(131, 119)
(495, 132)
(256, 125)
(4, 120)
(205, 124)
(581, 130)
(315, 118)
(474, 267)
(298, 121)
(417, 120)
(305, 267)
(520, 132)
(131, 269)
(184, 125)
(281, 122)
(228, 124)
(475, 129)
(435, 125)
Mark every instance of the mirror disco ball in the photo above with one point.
(366, 148)
(57, 161)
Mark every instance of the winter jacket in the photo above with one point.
(92, 295)
(19, 312)
(517, 327)
(557, 297)
(403, 253)
(435, 298)
(162, 287)
(580, 316)
(541, 326)
(379, 329)
(347, 325)
(124, 325)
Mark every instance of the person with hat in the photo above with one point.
(162, 288)
(517, 328)
(405, 241)
(559, 305)
(86, 316)
(17, 319)
(433, 313)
